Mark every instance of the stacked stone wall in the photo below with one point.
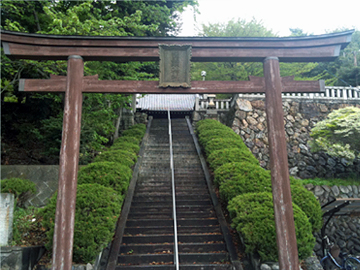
(341, 230)
(248, 119)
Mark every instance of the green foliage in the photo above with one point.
(333, 182)
(108, 174)
(231, 71)
(127, 139)
(241, 178)
(121, 145)
(246, 181)
(222, 143)
(223, 156)
(97, 209)
(24, 221)
(90, 18)
(21, 188)
(309, 205)
(141, 127)
(253, 216)
(233, 169)
(122, 157)
(207, 135)
(339, 134)
(137, 133)
(209, 124)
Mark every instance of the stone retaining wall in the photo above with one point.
(341, 230)
(248, 119)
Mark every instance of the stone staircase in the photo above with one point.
(148, 239)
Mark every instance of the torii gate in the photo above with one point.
(76, 49)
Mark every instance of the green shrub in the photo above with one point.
(207, 122)
(223, 156)
(309, 204)
(253, 217)
(96, 212)
(137, 133)
(208, 135)
(108, 174)
(119, 156)
(256, 180)
(222, 143)
(141, 127)
(209, 125)
(21, 188)
(127, 146)
(244, 181)
(229, 170)
(128, 139)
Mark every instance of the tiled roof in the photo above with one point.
(167, 102)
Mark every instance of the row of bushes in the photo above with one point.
(246, 189)
(102, 186)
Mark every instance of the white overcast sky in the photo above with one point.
(312, 16)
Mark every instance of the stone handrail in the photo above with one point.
(219, 104)
(331, 92)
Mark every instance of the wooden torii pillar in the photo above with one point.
(267, 50)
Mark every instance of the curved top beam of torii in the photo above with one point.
(204, 49)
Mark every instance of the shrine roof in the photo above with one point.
(167, 102)
(215, 49)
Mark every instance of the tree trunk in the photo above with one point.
(117, 126)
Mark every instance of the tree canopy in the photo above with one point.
(101, 112)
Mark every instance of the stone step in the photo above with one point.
(194, 222)
(224, 266)
(169, 248)
(170, 230)
(197, 238)
(169, 215)
(169, 257)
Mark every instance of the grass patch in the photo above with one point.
(331, 182)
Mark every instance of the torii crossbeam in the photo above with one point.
(77, 49)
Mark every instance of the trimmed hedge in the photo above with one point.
(221, 143)
(21, 188)
(259, 180)
(209, 124)
(137, 133)
(97, 209)
(119, 145)
(309, 204)
(228, 155)
(229, 170)
(253, 216)
(141, 127)
(127, 139)
(206, 136)
(119, 156)
(108, 174)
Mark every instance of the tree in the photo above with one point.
(345, 70)
(240, 71)
(231, 71)
(339, 134)
(100, 111)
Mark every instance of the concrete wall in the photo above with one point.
(45, 178)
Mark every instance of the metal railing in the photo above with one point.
(176, 249)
